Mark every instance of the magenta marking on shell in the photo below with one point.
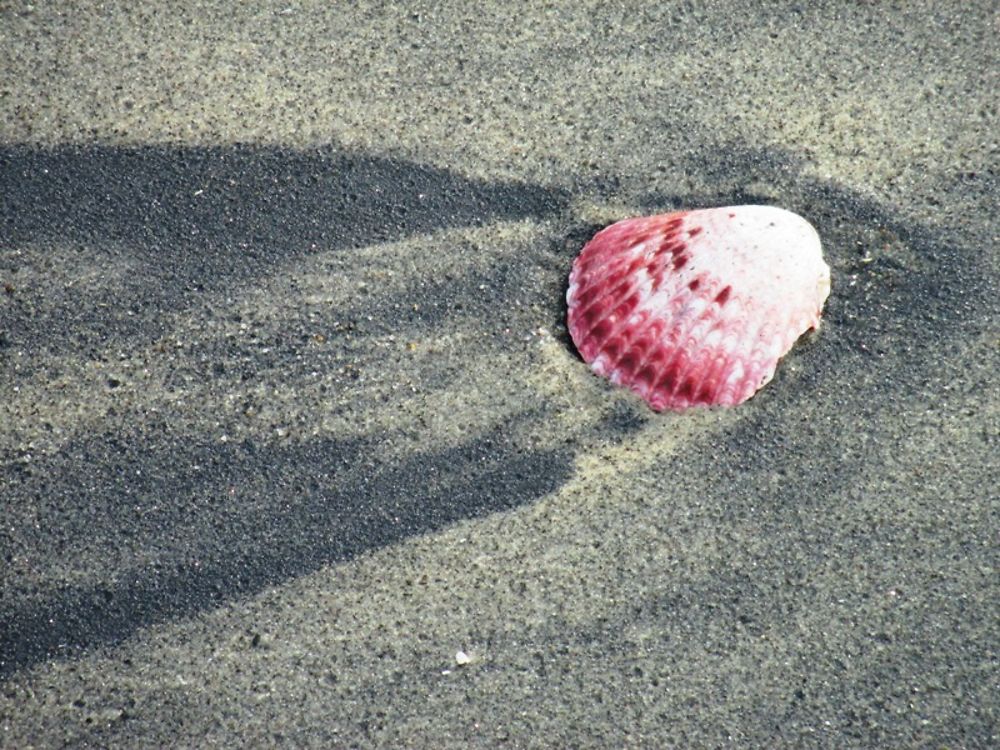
(696, 307)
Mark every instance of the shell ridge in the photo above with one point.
(626, 292)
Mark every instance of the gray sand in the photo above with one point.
(289, 416)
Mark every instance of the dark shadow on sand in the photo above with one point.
(230, 520)
(185, 221)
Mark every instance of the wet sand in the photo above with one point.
(295, 449)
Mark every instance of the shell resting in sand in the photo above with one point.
(696, 307)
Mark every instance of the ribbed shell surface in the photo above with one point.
(696, 307)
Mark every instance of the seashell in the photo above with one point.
(695, 308)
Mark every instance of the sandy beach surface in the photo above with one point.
(295, 449)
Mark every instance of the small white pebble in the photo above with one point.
(462, 658)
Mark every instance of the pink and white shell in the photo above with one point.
(695, 308)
